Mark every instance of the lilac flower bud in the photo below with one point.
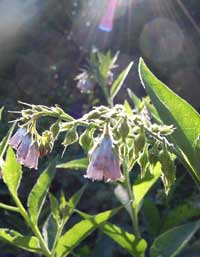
(27, 150)
(104, 164)
(85, 85)
(110, 78)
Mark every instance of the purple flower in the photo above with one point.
(27, 150)
(104, 164)
(16, 140)
(85, 85)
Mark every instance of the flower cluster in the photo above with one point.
(27, 150)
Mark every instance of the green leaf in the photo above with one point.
(12, 172)
(71, 136)
(143, 185)
(136, 247)
(55, 208)
(5, 142)
(86, 139)
(117, 84)
(1, 110)
(152, 217)
(172, 109)
(179, 214)
(78, 164)
(38, 194)
(170, 243)
(49, 230)
(138, 104)
(28, 243)
(68, 209)
(128, 108)
(80, 231)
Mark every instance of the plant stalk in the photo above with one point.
(134, 214)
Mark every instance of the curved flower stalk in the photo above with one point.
(104, 164)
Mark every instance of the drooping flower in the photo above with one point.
(27, 149)
(104, 164)
(106, 23)
(85, 85)
(16, 140)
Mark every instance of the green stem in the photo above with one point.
(134, 214)
(33, 226)
(57, 237)
(9, 208)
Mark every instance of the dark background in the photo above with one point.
(43, 44)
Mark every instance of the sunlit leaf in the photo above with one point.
(135, 247)
(38, 194)
(28, 243)
(5, 141)
(12, 172)
(1, 110)
(68, 209)
(172, 109)
(80, 231)
(143, 185)
(78, 164)
(170, 243)
(117, 84)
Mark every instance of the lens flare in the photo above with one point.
(106, 23)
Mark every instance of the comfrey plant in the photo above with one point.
(117, 140)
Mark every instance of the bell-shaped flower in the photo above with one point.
(104, 164)
(27, 149)
(16, 140)
(106, 23)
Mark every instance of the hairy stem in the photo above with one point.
(134, 214)
(33, 226)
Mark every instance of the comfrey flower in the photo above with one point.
(104, 164)
(85, 85)
(27, 150)
(106, 23)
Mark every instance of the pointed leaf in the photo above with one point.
(55, 209)
(179, 214)
(38, 194)
(117, 84)
(1, 110)
(136, 247)
(143, 185)
(28, 243)
(80, 231)
(136, 101)
(68, 210)
(174, 240)
(79, 164)
(152, 217)
(12, 172)
(172, 109)
(49, 230)
(5, 142)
